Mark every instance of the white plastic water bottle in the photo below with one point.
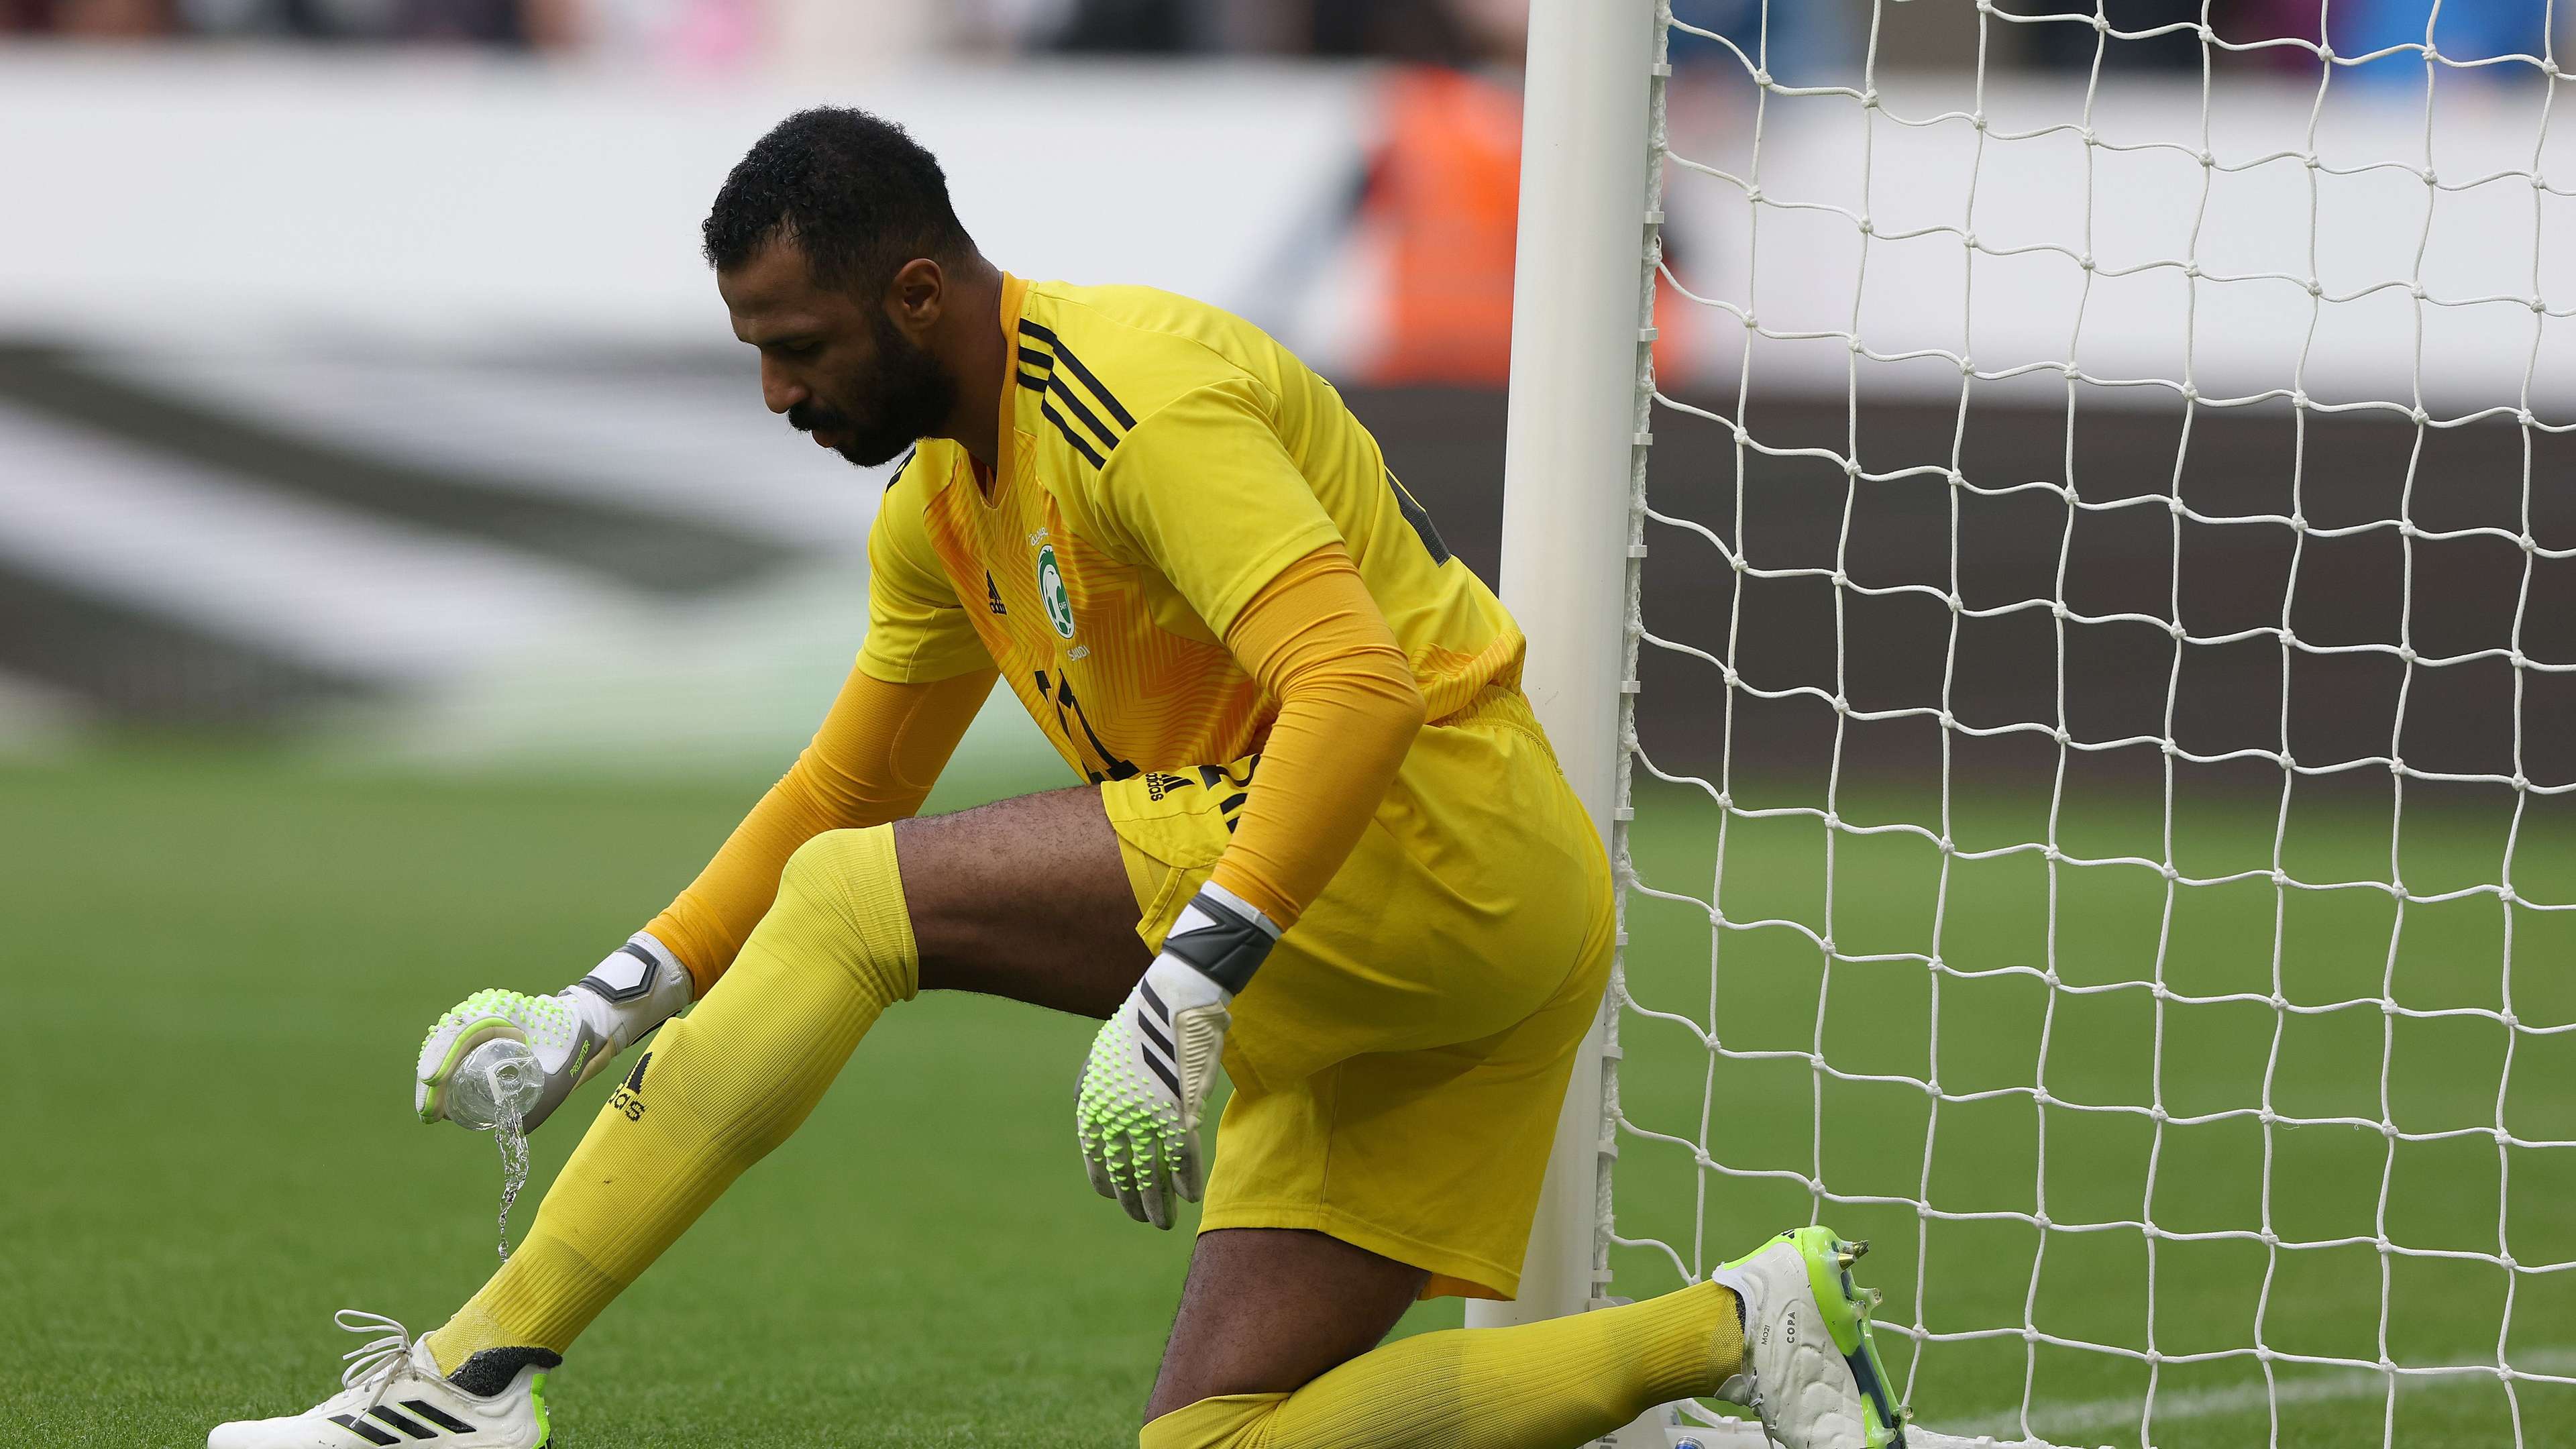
(497, 1082)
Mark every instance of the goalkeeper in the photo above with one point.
(1323, 843)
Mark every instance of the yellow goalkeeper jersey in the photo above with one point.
(1161, 460)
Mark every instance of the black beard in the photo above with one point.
(910, 395)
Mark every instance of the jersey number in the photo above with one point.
(1061, 692)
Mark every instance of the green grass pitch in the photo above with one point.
(221, 964)
(2096, 925)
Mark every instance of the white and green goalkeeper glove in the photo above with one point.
(574, 1032)
(1137, 1115)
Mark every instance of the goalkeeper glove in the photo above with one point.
(1137, 1114)
(574, 1032)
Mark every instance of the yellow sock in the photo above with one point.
(1535, 1386)
(714, 1093)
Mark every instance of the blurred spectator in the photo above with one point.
(1149, 27)
(695, 35)
(2467, 30)
(2248, 21)
(2071, 44)
(484, 22)
(1805, 44)
(93, 18)
(1442, 201)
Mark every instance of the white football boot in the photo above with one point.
(1811, 1365)
(393, 1393)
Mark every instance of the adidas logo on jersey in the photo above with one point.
(993, 594)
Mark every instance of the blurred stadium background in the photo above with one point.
(401, 585)
(360, 385)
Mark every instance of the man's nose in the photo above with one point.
(777, 389)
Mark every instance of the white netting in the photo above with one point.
(2096, 812)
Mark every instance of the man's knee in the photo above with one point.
(840, 898)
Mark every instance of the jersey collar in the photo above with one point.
(1015, 294)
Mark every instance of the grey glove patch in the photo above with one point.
(611, 981)
(1225, 945)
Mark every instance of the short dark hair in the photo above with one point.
(855, 194)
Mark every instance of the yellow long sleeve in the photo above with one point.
(1348, 711)
(873, 760)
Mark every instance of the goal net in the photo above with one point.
(2097, 789)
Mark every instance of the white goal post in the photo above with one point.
(2098, 725)
(1581, 275)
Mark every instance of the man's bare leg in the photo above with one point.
(1023, 898)
(1267, 1309)
(1027, 899)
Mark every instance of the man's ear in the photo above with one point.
(917, 296)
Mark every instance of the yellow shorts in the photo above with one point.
(1399, 1061)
